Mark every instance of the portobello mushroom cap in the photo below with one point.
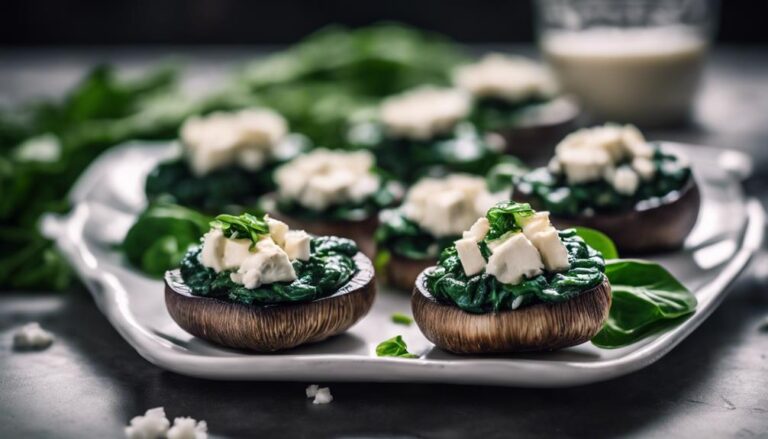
(401, 273)
(539, 327)
(644, 229)
(272, 327)
(539, 128)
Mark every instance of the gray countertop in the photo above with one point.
(90, 382)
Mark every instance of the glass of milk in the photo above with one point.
(632, 61)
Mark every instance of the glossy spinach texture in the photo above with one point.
(462, 150)
(161, 236)
(551, 192)
(493, 114)
(483, 293)
(403, 237)
(647, 299)
(330, 266)
(394, 347)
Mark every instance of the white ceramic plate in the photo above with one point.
(109, 195)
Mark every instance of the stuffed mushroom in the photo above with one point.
(513, 283)
(256, 284)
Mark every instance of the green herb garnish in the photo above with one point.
(647, 299)
(245, 226)
(401, 319)
(394, 347)
(161, 236)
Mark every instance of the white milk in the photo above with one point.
(646, 76)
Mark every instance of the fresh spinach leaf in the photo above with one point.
(647, 299)
(598, 241)
(394, 347)
(161, 236)
(245, 226)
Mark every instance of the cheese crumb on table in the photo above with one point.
(312, 390)
(32, 337)
(153, 425)
(323, 396)
(188, 428)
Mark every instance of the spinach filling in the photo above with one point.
(404, 237)
(330, 266)
(494, 114)
(174, 182)
(407, 160)
(552, 192)
(483, 293)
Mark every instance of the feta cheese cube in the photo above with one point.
(472, 260)
(538, 222)
(153, 425)
(297, 245)
(514, 259)
(277, 230)
(478, 230)
(552, 250)
(268, 264)
(212, 252)
(235, 252)
(188, 428)
(31, 336)
(323, 396)
(644, 168)
(625, 181)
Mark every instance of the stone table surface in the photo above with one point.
(90, 382)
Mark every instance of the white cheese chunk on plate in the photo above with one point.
(729, 231)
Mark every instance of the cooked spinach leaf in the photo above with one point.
(553, 193)
(483, 293)
(463, 150)
(394, 347)
(403, 237)
(161, 236)
(330, 266)
(507, 217)
(647, 299)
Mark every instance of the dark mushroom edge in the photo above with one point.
(271, 327)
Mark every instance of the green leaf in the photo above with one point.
(401, 319)
(245, 226)
(647, 299)
(394, 347)
(505, 217)
(161, 236)
(598, 241)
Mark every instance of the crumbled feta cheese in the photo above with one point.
(322, 178)
(32, 336)
(644, 168)
(323, 396)
(221, 253)
(267, 264)
(312, 390)
(469, 254)
(246, 138)
(625, 181)
(512, 78)
(478, 230)
(545, 238)
(188, 428)
(513, 259)
(447, 206)
(277, 230)
(153, 425)
(424, 112)
(297, 245)
(554, 167)
(591, 154)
